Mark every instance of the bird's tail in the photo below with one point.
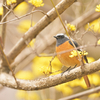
(87, 81)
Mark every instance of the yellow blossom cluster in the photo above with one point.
(63, 87)
(21, 9)
(27, 75)
(75, 53)
(98, 42)
(76, 99)
(1, 10)
(94, 95)
(25, 25)
(97, 9)
(94, 25)
(36, 3)
(25, 95)
(71, 27)
(9, 2)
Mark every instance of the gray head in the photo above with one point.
(61, 38)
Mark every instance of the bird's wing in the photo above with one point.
(76, 44)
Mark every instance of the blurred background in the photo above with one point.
(34, 61)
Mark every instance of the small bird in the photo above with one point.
(63, 44)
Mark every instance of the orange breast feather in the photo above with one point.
(64, 57)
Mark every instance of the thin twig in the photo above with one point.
(87, 92)
(9, 11)
(32, 15)
(6, 15)
(51, 62)
(15, 19)
(12, 6)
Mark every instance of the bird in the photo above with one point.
(63, 43)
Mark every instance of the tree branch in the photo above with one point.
(17, 18)
(7, 80)
(39, 26)
(86, 18)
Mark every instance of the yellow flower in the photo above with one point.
(74, 53)
(64, 88)
(78, 82)
(71, 27)
(25, 95)
(36, 3)
(94, 95)
(21, 9)
(76, 99)
(1, 10)
(9, 2)
(82, 83)
(94, 25)
(32, 96)
(68, 92)
(31, 44)
(98, 41)
(95, 79)
(75, 83)
(49, 99)
(21, 94)
(97, 9)
(27, 75)
(25, 25)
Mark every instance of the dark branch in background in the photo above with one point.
(7, 80)
(39, 26)
(87, 92)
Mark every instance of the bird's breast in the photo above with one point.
(63, 54)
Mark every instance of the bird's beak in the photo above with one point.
(55, 37)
